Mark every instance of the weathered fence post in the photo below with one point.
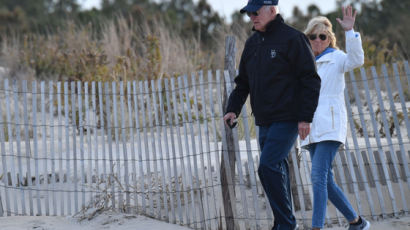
(1, 207)
(292, 175)
(230, 146)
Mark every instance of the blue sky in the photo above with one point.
(226, 7)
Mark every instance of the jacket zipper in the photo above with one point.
(333, 117)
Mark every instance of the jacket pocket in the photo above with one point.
(326, 120)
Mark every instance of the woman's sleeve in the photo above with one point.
(355, 54)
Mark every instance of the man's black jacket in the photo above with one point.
(278, 69)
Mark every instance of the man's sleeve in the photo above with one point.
(240, 93)
(303, 62)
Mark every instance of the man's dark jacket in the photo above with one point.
(278, 69)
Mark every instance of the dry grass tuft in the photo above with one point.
(119, 49)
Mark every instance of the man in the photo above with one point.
(277, 69)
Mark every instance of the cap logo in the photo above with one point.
(268, 2)
(272, 54)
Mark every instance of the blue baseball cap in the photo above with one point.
(255, 5)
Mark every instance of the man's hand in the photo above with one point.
(303, 129)
(231, 118)
(348, 18)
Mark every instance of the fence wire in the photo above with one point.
(156, 148)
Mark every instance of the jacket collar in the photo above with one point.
(326, 58)
(326, 51)
(272, 24)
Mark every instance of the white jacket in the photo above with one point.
(330, 119)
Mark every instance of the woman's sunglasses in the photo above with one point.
(252, 14)
(313, 37)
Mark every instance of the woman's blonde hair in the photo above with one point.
(321, 23)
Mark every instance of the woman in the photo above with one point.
(329, 125)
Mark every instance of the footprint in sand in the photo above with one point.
(37, 225)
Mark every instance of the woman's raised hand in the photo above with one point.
(348, 19)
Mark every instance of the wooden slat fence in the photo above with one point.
(154, 148)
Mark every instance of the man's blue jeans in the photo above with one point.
(324, 187)
(275, 141)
